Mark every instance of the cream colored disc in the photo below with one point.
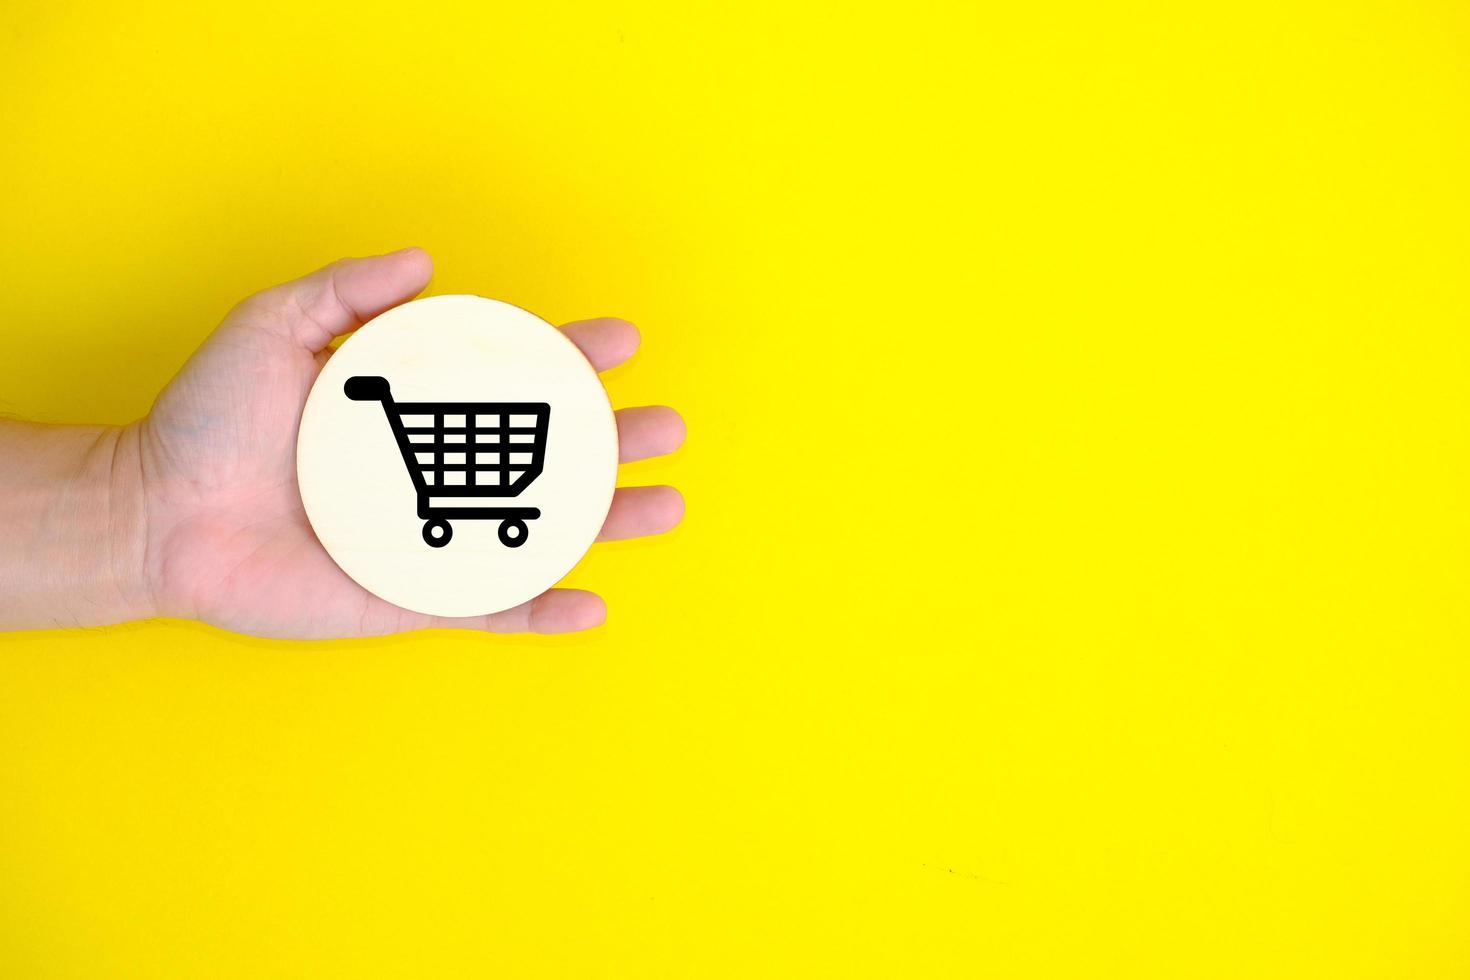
(457, 456)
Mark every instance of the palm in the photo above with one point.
(230, 539)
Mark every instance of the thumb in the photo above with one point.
(344, 295)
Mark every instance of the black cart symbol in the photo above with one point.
(461, 452)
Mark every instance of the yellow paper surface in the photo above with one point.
(1075, 576)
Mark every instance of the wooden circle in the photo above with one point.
(457, 456)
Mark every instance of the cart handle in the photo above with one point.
(367, 388)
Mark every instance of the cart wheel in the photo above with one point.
(513, 533)
(437, 533)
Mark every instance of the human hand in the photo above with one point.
(226, 538)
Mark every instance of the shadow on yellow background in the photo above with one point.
(1074, 582)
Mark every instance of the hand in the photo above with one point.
(227, 540)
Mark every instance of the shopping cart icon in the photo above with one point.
(464, 456)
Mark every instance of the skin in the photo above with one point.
(194, 512)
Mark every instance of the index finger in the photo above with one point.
(605, 341)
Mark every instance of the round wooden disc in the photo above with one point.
(457, 456)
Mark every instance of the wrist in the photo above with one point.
(73, 518)
(131, 558)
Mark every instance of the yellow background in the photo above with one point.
(1075, 577)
